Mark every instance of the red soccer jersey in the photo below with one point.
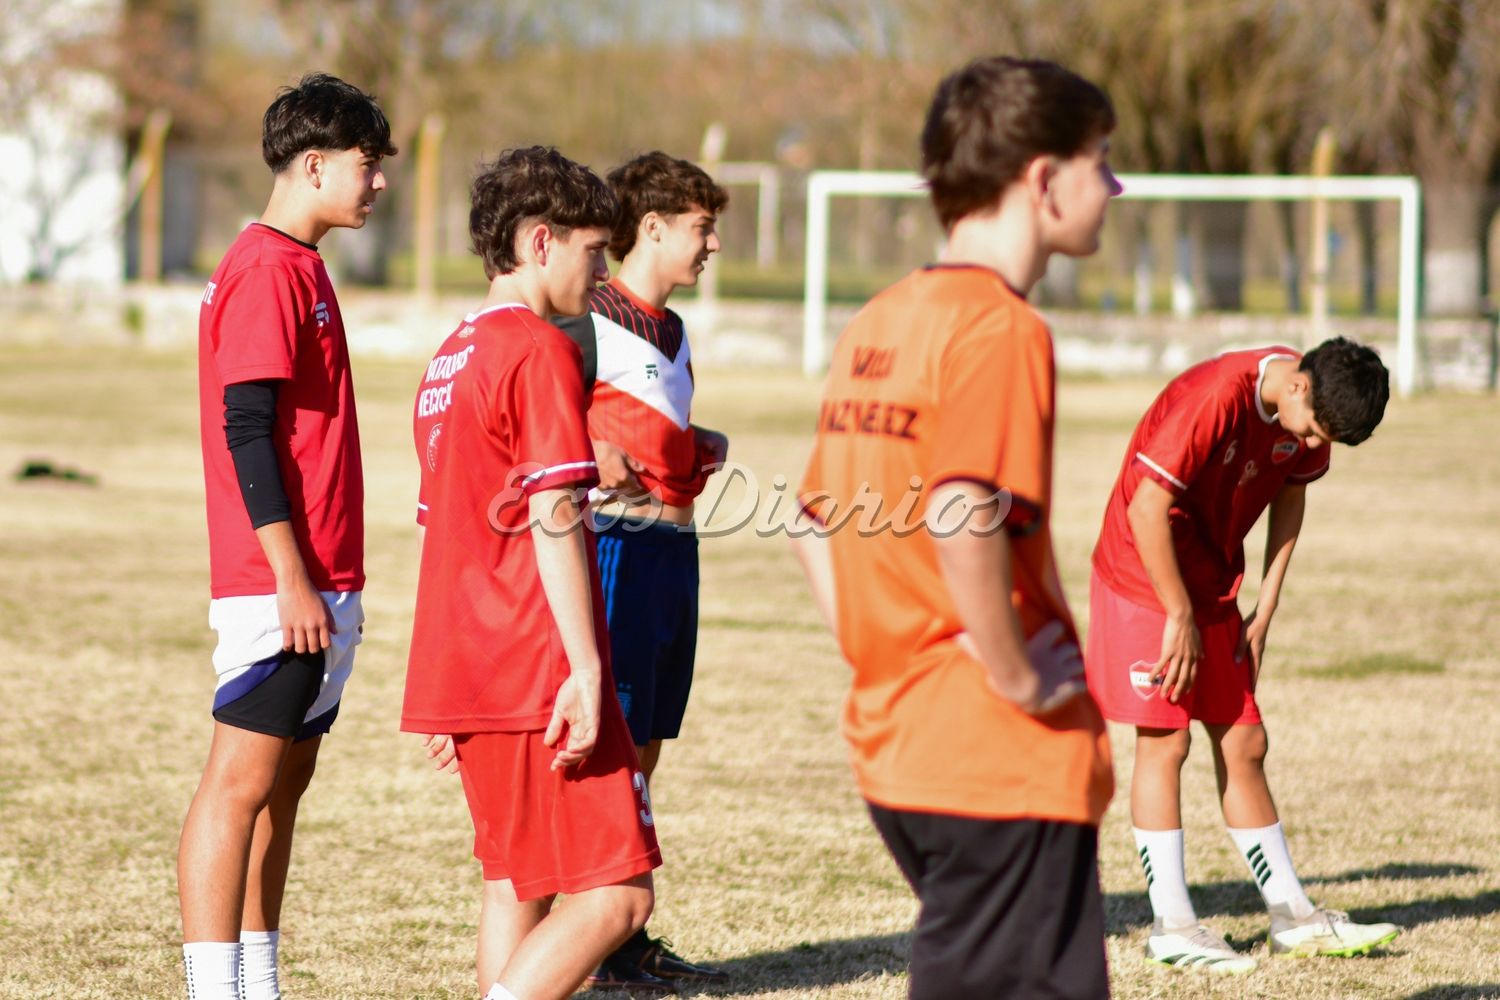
(1208, 440)
(499, 415)
(643, 392)
(270, 313)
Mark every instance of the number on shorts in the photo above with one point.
(639, 783)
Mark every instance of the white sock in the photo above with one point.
(1270, 864)
(213, 969)
(1166, 876)
(258, 965)
(498, 992)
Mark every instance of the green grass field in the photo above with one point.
(1380, 691)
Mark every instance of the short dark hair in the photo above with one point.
(656, 182)
(989, 119)
(1350, 388)
(322, 112)
(533, 183)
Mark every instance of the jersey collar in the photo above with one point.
(471, 317)
(1260, 380)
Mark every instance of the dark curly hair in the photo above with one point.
(322, 112)
(656, 182)
(533, 183)
(989, 119)
(1350, 388)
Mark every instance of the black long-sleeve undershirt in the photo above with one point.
(249, 417)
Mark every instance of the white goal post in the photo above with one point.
(823, 185)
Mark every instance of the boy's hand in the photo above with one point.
(1056, 663)
(1253, 641)
(577, 708)
(1181, 651)
(306, 622)
(712, 445)
(617, 471)
(441, 751)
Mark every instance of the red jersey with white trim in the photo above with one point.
(1207, 440)
(269, 313)
(643, 390)
(499, 416)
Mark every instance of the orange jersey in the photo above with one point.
(947, 375)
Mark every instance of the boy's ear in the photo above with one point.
(1038, 176)
(651, 227)
(539, 242)
(312, 164)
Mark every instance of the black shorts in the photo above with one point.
(277, 705)
(649, 574)
(1010, 908)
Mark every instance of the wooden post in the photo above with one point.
(150, 160)
(1324, 152)
(429, 171)
(711, 154)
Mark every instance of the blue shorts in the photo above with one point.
(649, 574)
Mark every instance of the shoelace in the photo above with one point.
(1207, 940)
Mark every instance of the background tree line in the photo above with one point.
(1200, 86)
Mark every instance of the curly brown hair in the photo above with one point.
(656, 182)
(535, 183)
(989, 119)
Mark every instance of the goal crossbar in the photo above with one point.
(824, 185)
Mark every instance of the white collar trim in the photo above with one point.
(471, 317)
(1260, 380)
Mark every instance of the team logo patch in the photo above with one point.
(432, 446)
(1231, 451)
(1283, 450)
(1251, 471)
(1141, 681)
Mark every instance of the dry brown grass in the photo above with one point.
(1387, 772)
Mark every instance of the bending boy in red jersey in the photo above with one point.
(1167, 644)
(285, 528)
(508, 653)
(983, 759)
(653, 463)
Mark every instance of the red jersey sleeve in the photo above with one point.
(1176, 450)
(261, 309)
(1312, 465)
(552, 439)
(994, 409)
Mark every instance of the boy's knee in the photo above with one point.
(1167, 747)
(296, 775)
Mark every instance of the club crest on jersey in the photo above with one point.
(1283, 450)
(1141, 681)
(321, 312)
(432, 445)
(1251, 471)
(1231, 451)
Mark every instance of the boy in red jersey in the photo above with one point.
(285, 528)
(508, 654)
(983, 760)
(1223, 441)
(653, 463)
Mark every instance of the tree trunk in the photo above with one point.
(1454, 225)
(1222, 230)
(1291, 264)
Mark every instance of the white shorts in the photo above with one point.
(249, 651)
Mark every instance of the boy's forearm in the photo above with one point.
(815, 553)
(562, 563)
(1282, 530)
(977, 571)
(279, 543)
(1151, 528)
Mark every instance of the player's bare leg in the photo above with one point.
(1155, 788)
(551, 961)
(271, 845)
(504, 922)
(649, 755)
(214, 853)
(1240, 765)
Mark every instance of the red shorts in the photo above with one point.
(549, 831)
(1124, 645)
